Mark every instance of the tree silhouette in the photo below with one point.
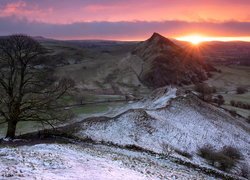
(28, 90)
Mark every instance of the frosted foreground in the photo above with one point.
(53, 161)
(155, 138)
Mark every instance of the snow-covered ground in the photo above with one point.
(48, 161)
(64, 162)
(164, 121)
(158, 99)
(167, 121)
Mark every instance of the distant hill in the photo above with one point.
(224, 53)
(165, 63)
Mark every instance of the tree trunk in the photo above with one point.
(11, 130)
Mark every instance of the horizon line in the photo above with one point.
(178, 38)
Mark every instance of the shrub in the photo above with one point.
(205, 91)
(248, 119)
(134, 147)
(231, 152)
(240, 104)
(167, 150)
(224, 159)
(184, 153)
(219, 100)
(232, 102)
(205, 151)
(245, 171)
(207, 98)
(203, 88)
(241, 90)
(233, 113)
(222, 162)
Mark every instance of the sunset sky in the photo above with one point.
(126, 19)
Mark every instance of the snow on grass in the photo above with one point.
(185, 124)
(153, 102)
(88, 161)
(162, 101)
(48, 161)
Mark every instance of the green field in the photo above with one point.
(80, 111)
(91, 109)
(227, 82)
(243, 112)
(22, 127)
(230, 78)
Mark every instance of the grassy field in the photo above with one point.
(22, 127)
(227, 82)
(230, 78)
(243, 112)
(81, 111)
(91, 109)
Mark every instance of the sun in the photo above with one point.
(194, 39)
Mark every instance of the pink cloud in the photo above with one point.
(21, 9)
(12, 8)
(72, 11)
(99, 7)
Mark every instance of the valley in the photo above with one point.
(136, 114)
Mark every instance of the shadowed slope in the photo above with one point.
(166, 63)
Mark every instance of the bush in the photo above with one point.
(224, 159)
(232, 102)
(231, 152)
(245, 171)
(240, 104)
(167, 150)
(222, 162)
(205, 151)
(204, 88)
(248, 119)
(219, 100)
(184, 153)
(241, 90)
(233, 113)
(205, 91)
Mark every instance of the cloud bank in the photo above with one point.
(123, 30)
(124, 19)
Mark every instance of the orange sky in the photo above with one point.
(125, 19)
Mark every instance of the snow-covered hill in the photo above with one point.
(165, 121)
(155, 138)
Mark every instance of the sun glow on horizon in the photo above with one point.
(196, 39)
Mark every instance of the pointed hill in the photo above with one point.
(166, 63)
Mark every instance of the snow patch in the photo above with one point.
(149, 103)
(50, 161)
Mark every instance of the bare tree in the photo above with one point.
(28, 90)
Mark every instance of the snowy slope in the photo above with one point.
(167, 120)
(87, 162)
(180, 122)
(59, 162)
